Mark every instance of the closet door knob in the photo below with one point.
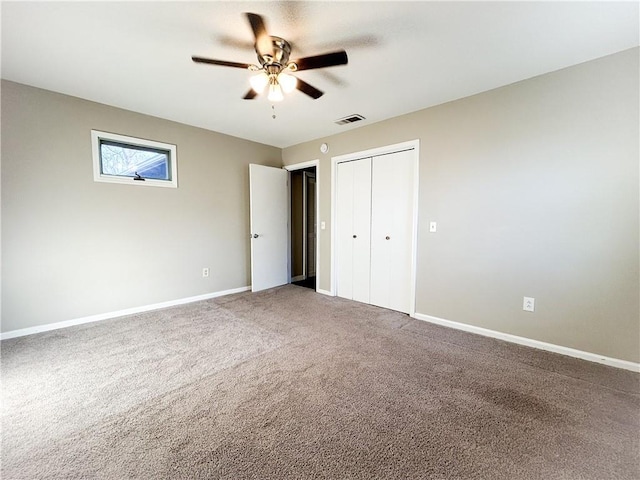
(387, 237)
(355, 236)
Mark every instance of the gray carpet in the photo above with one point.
(288, 383)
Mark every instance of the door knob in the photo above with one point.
(387, 237)
(355, 236)
(255, 235)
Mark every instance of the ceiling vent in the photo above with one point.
(350, 119)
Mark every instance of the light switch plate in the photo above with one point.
(323, 225)
(432, 227)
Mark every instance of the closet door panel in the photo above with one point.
(392, 230)
(361, 229)
(382, 199)
(344, 230)
(353, 235)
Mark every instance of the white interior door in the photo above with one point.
(353, 222)
(392, 204)
(269, 231)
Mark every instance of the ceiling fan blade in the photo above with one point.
(251, 94)
(320, 61)
(223, 63)
(264, 46)
(310, 90)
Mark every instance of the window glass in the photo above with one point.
(129, 160)
(121, 159)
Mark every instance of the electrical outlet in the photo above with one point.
(205, 272)
(529, 304)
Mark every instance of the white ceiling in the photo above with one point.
(403, 56)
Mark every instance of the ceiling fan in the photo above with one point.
(275, 68)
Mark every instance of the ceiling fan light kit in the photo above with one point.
(275, 92)
(275, 68)
(278, 84)
(259, 82)
(287, 82)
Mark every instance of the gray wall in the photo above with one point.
(72, 247)
(534, 187)
(535, 190)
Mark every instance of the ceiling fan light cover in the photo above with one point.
(287, 82)
(275, 93)
(259, 82)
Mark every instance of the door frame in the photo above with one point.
(374, 152)
(301, 166)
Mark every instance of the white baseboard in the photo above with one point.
(120, 313)
(571, 352)
(324, 292)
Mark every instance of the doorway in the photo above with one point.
(304, 238)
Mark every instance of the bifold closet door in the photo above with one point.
(392, 204)
(353, 234)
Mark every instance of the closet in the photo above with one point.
(375, 229)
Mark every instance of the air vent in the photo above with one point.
(350, 119)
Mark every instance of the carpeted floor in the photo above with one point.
(288, 383)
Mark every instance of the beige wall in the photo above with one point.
(535, 190)
(72, 247)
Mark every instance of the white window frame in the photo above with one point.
(98, 176)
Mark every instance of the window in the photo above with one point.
(121, 159)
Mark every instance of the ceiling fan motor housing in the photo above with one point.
(279, 56)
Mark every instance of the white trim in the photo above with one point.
(571, 352)
(325, 292)
(334, 195)
(373, 152)
(120, 313)
(98, 176)
(289, 226)
(414, 233)
(300, 166)
(304, 224)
